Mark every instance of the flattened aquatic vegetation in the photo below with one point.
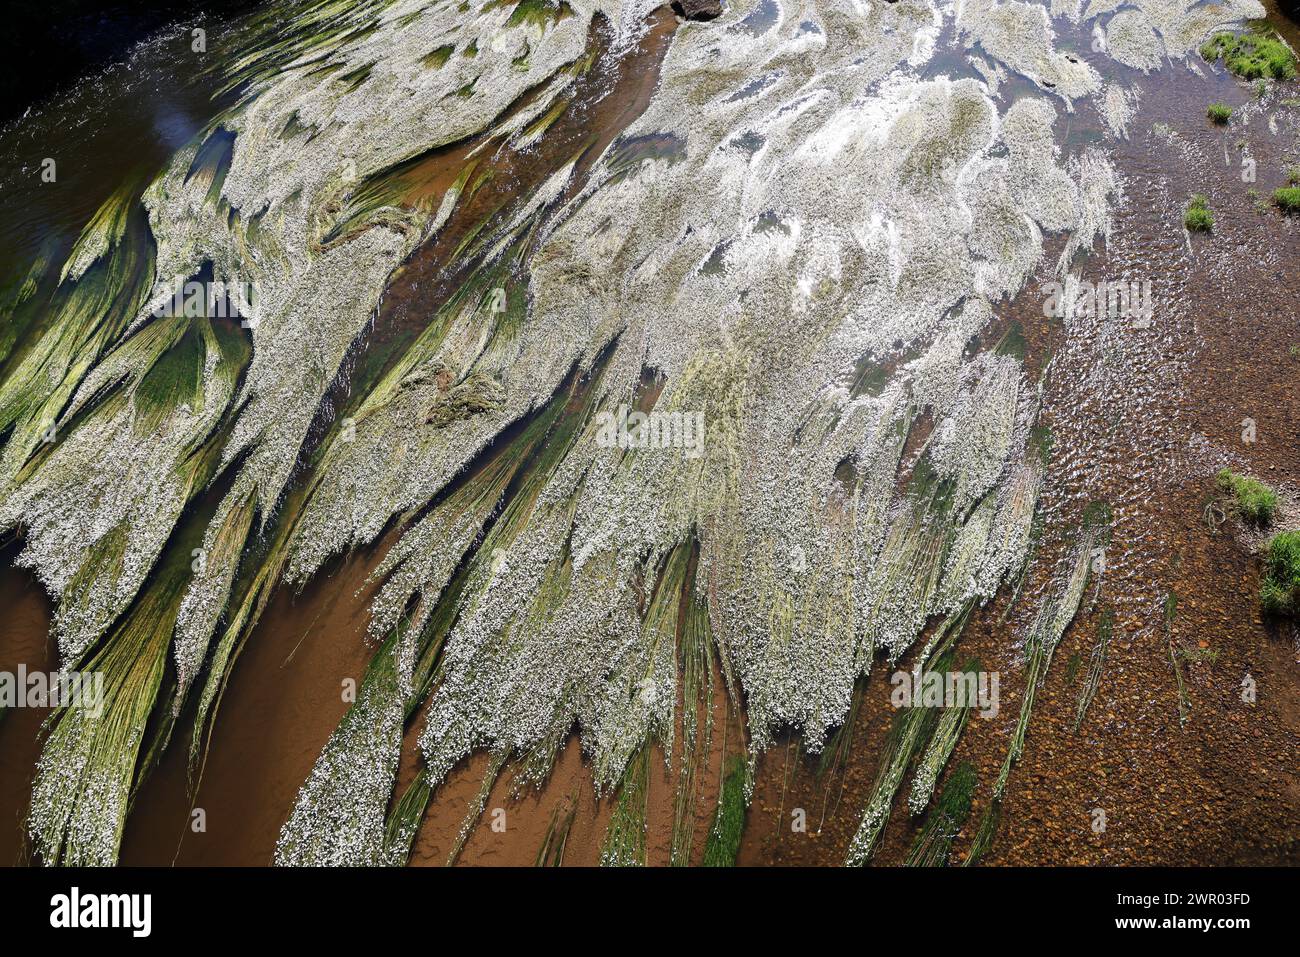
(688, 423)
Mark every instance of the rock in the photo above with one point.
(698, 9)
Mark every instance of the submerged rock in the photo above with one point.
(698, 9)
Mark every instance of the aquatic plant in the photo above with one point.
(1200, 654)
(945, 820)
(438, 57)
(1096, 662)
(1198, 216)
(467, 269)
(625, 839)
(551, 853)
(1254, 501)
(723, 840)
(1054, 616)
(699, 665)
(1252, 55)
(910, 730)
(1287, 198)
(1219, 113)
(1279, 592)
(1252, 194)
(942, 744)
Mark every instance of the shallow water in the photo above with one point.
(1140, 419)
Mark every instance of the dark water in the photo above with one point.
(118, 123)
(48, 46)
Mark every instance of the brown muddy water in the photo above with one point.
(24, 640)
(1140, 419)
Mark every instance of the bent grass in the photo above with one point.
(729, 820)
(949, 815)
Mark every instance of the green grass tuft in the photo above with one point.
(1280, 591)
(1255, 502)
(1219, 113)
(1252, 56)
(1287, 199)
(1199, 217)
